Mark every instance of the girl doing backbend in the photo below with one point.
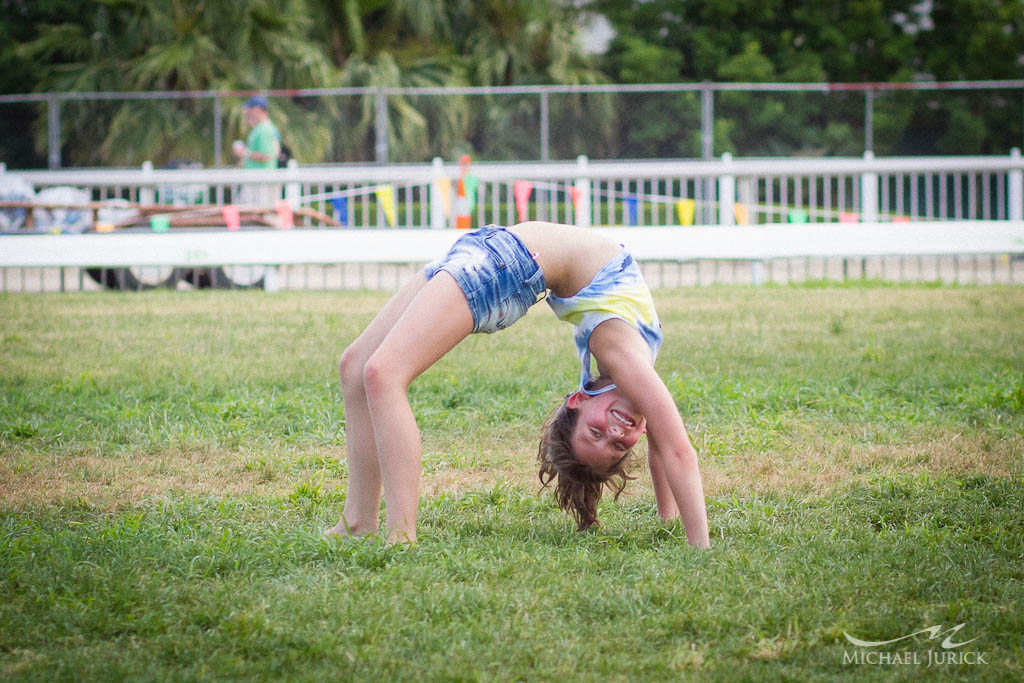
(486, 282)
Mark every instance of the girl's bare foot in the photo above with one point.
(343, 530)
(337, 530)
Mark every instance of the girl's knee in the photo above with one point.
(351, 367)
(382, 376)
(374, 376)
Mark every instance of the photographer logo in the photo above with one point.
(949, 654)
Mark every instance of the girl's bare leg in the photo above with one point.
(362, 502)
(435, 320)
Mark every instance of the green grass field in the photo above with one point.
(167, 461)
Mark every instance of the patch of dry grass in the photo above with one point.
(796, 391)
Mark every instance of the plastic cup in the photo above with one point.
(232, 217)
(160, 222)
(285, 215)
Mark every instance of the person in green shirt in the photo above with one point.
(259, 151)
(263, 145)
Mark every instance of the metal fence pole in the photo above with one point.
(707, 148)
(869, 120)
(545, 130)
(53, 131)
(707, 121)
(218, 132)
(381, 125)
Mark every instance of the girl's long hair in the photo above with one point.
(577, 486)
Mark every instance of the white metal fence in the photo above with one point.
(741, 198)
(601, 193)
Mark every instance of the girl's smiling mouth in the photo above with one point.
(624, 418)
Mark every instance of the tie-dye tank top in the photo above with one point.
(617, 291)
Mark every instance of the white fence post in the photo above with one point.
(1016, 192)
(270, 279)
(757, 273)
(293, 189)
(726, 193)
(869, 192)
(581, 207)
(437, 202)
(745, 197)
(146, 193)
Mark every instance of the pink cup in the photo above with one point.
(285, 215)
(232, 217)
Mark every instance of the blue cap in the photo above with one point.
(257, 101)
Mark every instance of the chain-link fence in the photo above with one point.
(408, 125)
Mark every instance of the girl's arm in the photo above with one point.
(667, 508)
(623, 355)
(677, 474)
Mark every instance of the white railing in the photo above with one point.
(726, 191)
(740, 210)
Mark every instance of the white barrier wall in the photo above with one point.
(287, 247)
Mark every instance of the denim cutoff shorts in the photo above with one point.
(496, 272)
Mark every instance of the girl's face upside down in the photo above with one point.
(607, 428)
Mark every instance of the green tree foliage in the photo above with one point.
(835, 41)
(20, 22)
(172, 45)
(181, 45)
(519, 42)
(388, 44)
